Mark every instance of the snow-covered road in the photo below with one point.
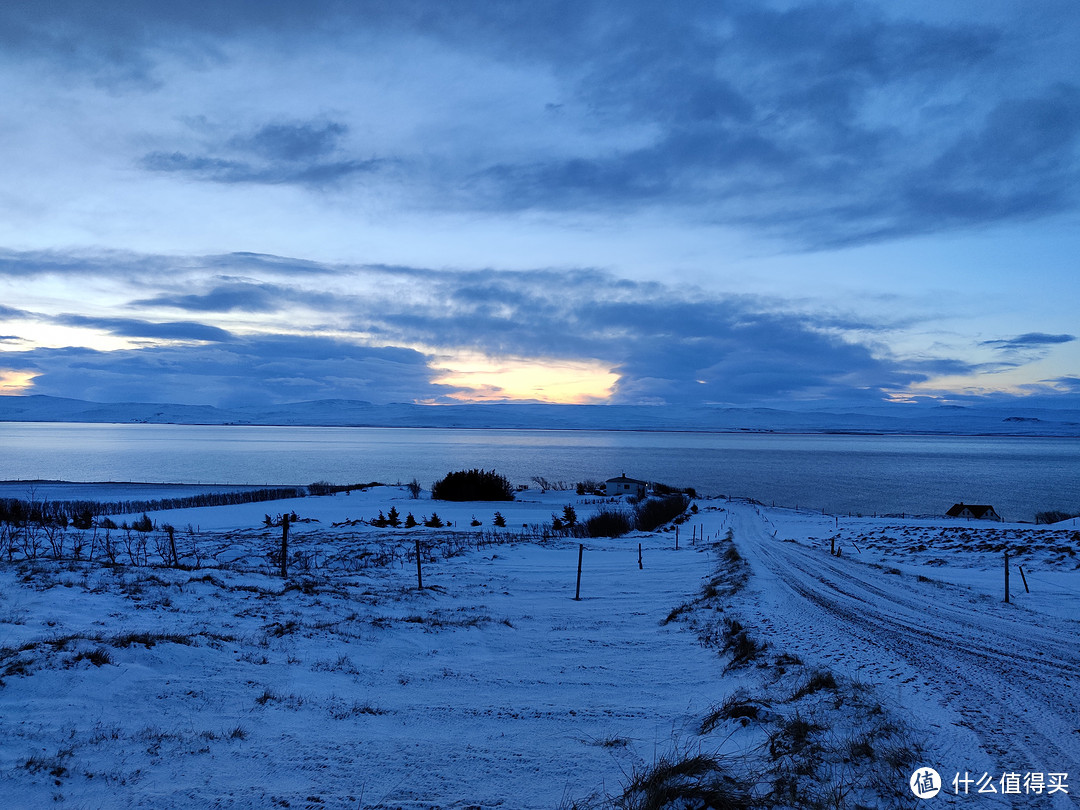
(995, 684)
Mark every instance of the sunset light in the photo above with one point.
(519, 379)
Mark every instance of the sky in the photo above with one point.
(783, 204)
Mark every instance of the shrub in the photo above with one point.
(410, 521)
(499, 520)
(414, 489)
(1054, 516)
(392, 517)
(658, 511)
(608, 523)
(473, 485)
(321, 488)
(143, 524)
(434, 522)
(589, 487)
(684, 780)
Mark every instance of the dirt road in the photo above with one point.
(996, 687)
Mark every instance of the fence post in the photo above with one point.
(1026, 588)
(284, 546)
(172, 548)
(1006, 577)
(580, 554)
(419, 573)
(639, 564)
(676, 536)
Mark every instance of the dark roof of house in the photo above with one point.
(622, 479)
(976, 509)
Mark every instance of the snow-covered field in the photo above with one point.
(808, 679)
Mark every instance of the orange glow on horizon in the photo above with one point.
(15, 382)
(568, 382)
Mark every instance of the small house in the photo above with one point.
(972, 510)
(626, 486)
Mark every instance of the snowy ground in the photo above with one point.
(916, 608)
(346, 686)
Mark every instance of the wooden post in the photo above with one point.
(1026, 589)
(284, 546)
(639, 564)
(172, 548)
(832, 546)
(580, 553)
(676, 536)
(419, 572)
(1006, 577)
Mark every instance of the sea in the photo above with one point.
(840, 474)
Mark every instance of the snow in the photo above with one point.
(347, 687)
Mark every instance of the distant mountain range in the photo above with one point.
(891, 419)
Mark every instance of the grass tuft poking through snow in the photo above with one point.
(827, 741)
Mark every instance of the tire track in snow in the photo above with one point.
(1009, 680)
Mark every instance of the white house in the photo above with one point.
(970, 510)
(626, 486)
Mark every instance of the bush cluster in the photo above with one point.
(656, 512)
(473, 485)
(1054, 516)
(608, 523)
(646, 516)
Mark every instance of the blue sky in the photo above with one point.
(749, 203)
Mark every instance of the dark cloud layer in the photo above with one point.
(224, 170)
(135, 328)
(151, 269)
(252, 371)
(234, 296)
(828, 123)
(1030, 340)
(667, 344)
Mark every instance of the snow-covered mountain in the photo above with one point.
(864, 419)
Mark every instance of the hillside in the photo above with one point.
(893, 419)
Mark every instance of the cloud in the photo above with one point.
(1030, 340)
(11, 312)
(149, 268)
(292, 142)
(132, 327)
(667, 343)
(269, 369)
(822, 123)
(307, 153)
(1070, 384)
(234, 296)
(222, 170)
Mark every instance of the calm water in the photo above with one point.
(863, 474)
